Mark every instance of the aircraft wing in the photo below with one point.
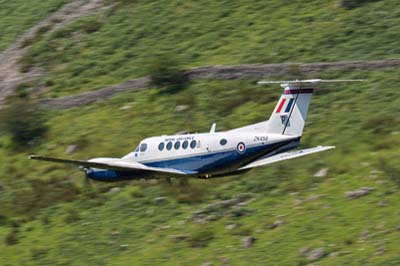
(285, 156)
(113, 164)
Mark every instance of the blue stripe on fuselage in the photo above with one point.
(216, 161)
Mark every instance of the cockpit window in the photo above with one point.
(143, 147)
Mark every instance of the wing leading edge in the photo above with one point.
(285, 156)
(112, 164)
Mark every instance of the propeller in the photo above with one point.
(86, 182)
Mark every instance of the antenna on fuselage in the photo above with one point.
(213, 127)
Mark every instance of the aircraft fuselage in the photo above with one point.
(203, 155)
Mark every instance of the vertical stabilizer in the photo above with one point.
(290, 113)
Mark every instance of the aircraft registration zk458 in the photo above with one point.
(215, 154)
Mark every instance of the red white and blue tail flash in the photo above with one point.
(290, 113)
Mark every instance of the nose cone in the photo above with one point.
(89, 173)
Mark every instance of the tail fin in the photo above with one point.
(290, 113)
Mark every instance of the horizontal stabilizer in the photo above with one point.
(285, 156)
(113, 164)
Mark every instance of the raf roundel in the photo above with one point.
(241, 148)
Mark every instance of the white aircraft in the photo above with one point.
(215, 154)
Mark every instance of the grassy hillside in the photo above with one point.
(133, 226)
(120, 43)
(18, 16)
(50, 216)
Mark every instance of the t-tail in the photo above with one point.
(290, 113)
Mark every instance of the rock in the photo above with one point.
(126, 107)
(383, 203)
(225, 261)
(304, 251)
(180, 108)
(71, 149)
(248, 241)
(359, 193)
(178, 238)
(164, 227)
(114, 190)
(316, 254)
(298, 202)
(230, 226)
(380, 251)
(313, 197)
(160, 200)
(217, 210)
(276, 224)
(364, 235)
(321, 173)
(124, 246)
(339, 253)
(114, 233)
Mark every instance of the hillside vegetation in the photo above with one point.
(122, 42)
(49, 215)
(18, 16)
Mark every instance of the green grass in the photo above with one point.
(18, 16)
(339, 115)
(58, 220)
(121, 43)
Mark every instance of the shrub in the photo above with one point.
(3, 220)
(165, 71)
(43, 29)
(350, 4)
(72, 216)
(39, 253)
(11, 238)
(391, 168)
(62, 33)
(26, 42)
(91, 26)
(24, 121)
(201, 237)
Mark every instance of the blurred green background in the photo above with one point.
(50, 216)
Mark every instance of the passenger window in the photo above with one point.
(161, 146)
(185, 144)
(169, 145)
(223, 142)
(177, 145)
(193, 144)
(143, 147)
